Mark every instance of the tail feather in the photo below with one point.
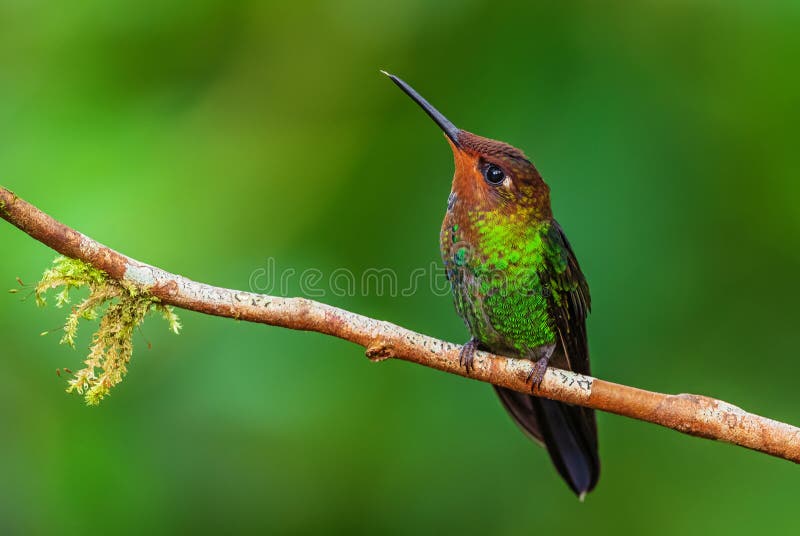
(568, 432)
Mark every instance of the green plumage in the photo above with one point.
(509, 279)
(497, 288)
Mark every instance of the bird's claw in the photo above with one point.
(536, 375)
(466, 357)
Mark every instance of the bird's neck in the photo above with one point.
(496, 237)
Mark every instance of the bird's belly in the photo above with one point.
(498, 294)
(505, 314)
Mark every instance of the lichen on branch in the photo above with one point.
(120, 306)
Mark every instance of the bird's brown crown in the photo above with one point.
(491, 175)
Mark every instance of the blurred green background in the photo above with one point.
(207, 137)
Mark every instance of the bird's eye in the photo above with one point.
(493, 174)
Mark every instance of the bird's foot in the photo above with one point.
(536, 375)
(467, 355)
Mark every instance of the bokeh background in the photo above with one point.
(207, 137)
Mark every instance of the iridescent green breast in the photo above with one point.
(500, 267)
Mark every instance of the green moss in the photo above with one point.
(121, 308)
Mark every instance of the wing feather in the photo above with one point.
(571, 301)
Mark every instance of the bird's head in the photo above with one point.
(490, 176)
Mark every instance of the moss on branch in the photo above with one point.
(120, 306)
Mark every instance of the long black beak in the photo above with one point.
(444, 123)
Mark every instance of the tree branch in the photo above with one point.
(691, 414)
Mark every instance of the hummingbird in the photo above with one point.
(518, 287)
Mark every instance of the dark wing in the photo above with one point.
(571, 302)
(569, 432)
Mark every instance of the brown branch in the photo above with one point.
(691, 414)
